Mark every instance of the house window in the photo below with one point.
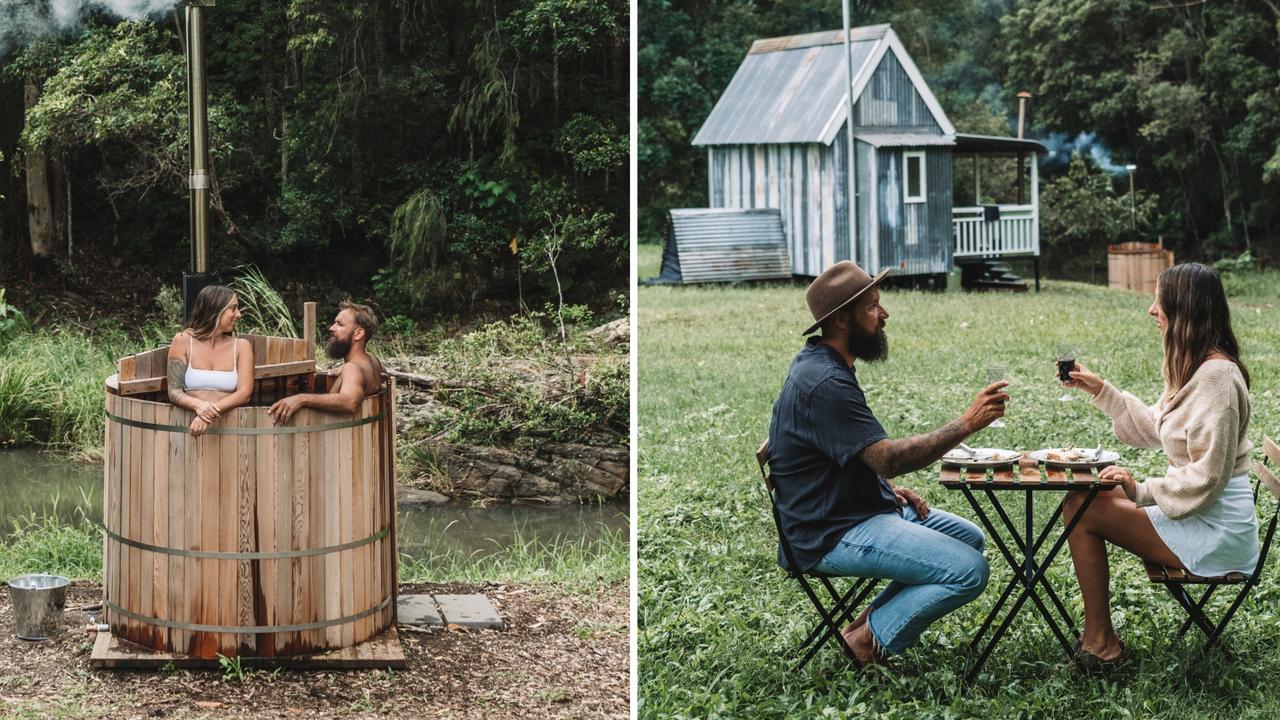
(913, 180)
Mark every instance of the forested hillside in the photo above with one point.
(1187, 91)
(433, 155)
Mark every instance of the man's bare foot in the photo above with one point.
(1106, 650)
(857, 622)
(862, 643)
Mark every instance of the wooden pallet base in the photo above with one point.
(383, 651)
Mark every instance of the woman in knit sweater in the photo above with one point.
(1199, 516)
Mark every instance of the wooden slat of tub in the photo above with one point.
(315, 568)
(147, 529)
(135, 510)
(160, 522)
(392, 553)
(192, 588)
(332, 565)
(359, 575)
(247, 589)
(228, 534)
(210, 512)
(127, 368)
(308, 331)
(345, 487)
(177, 523)
(375, 514)
(290, 524)
(281, 598)
(264, 449)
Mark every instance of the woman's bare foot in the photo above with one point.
(862, 643)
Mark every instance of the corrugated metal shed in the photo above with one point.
(724, 245)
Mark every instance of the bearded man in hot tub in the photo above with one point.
(360, 373)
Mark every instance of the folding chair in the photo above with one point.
(1176, 581)
(843, 606)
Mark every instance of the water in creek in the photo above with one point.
(41, 484)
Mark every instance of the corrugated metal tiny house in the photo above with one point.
(777, 138)
(723, 245)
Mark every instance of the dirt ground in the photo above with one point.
(561, 656)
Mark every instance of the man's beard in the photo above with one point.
(872, 348)
(337, 349)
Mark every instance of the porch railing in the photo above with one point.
(1017, 232)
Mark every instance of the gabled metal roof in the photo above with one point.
(792, 89)
(787, 95)
(724, 245)
(877, 139)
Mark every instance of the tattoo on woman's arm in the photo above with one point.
(177, 381)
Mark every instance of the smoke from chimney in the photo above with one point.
(23, 22)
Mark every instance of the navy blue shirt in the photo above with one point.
(820, 423)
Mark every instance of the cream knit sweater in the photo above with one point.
(1201, 427)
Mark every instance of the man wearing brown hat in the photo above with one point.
(832, 461)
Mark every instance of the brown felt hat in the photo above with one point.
(836, 287)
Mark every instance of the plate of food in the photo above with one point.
(981, 457)
(1074, 457)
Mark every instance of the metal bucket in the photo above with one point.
(37, 605)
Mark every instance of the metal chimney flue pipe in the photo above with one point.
(198, 134)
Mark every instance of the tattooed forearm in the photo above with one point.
(177, 382)
(892, 458)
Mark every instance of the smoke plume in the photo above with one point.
(23, 22)
(1086, 143)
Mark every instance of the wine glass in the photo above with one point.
(1066, 356)
(996, 373)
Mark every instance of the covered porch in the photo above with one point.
(1002, 218)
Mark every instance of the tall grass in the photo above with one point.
(263, 309)
(42, 543)
(51, 389)
(574, 562)
(717, 618)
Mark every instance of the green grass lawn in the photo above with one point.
(717, 618)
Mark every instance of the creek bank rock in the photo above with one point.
(550, 473)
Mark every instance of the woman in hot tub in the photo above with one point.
(210, 369)
(1199, 516)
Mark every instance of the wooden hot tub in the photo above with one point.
(252, 540)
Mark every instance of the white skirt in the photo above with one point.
(1220, 539)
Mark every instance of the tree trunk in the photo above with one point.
(555, 76)
(39, 204)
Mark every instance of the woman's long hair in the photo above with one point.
(210, 303)
(1198, 322)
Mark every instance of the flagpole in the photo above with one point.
(850, 175)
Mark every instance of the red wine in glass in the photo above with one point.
(1064, 369)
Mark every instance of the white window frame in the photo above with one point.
(907, 197)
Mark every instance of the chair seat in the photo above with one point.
(1158, 573)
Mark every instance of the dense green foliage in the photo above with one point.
(1189, 92)
(717, 617)
(393, 144)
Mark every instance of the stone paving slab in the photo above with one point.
(418, 610)
(469, 611)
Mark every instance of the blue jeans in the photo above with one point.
(934, 565)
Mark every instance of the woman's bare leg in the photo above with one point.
(1110, 517)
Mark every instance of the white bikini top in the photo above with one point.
(224, 380)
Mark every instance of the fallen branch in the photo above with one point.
(435, 383)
